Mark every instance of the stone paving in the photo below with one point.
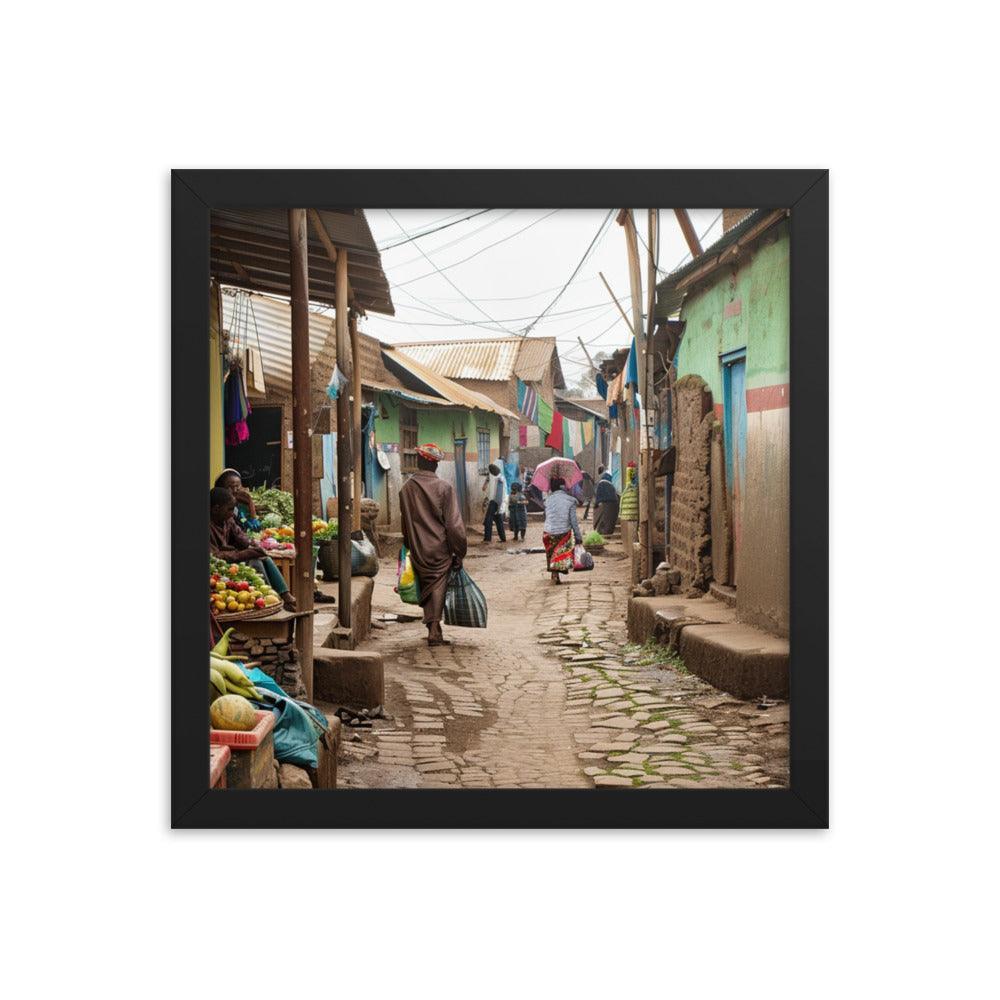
(551, 696)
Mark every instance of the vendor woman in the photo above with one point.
(228, 540)
(246, 512)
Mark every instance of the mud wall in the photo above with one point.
(690, 528)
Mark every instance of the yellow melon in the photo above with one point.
(232, 711)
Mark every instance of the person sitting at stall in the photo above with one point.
(227, 540)
(560, 530)
(246, 512)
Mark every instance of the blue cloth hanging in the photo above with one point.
(632, 366)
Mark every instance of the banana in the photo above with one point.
(222, 646)
(230, 671)
(218, 681)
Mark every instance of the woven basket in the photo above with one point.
(240, 616)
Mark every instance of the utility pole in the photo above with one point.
(627, 222)
(649, 390)
(302, 479)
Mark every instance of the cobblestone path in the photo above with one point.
(549, 695)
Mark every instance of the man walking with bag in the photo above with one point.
(434, 533)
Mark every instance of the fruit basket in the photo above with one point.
(242, 616)
(238, 592)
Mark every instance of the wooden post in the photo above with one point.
(687, 228)
(649, 390)
(627, 222)
(345, 463)
(359, 449)
(302, 479)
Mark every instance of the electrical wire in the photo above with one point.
(437, 229)
(489, 246)
(583, 260)
(459, 239)
(446, 278)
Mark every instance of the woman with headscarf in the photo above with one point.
(561, 529)
(606, 501)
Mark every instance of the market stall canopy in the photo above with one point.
(249, 249)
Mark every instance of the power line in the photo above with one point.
(460, 239)
(446, 278)
(507, 319)
(600, 232)
(437, 229)
(489, 246)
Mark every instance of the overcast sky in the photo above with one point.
(512, 283)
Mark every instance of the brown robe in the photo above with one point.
(434, 533)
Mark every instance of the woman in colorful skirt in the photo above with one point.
(561, 530)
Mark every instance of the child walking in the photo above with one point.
(518, 511)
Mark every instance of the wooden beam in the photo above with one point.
(628, 322)
(331, 250)
(690, 236)
(344, 457)
(302, 478)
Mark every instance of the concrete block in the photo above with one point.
(350, 677)
(737, 658)
(362, 588)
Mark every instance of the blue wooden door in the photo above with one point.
(735, 435)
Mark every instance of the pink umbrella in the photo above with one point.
(565, 468)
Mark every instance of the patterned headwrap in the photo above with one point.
(431, 452)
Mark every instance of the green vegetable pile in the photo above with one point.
(328, 533)
(593, 538)
(268, 500)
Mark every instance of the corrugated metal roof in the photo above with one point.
(596, 407)
(496, 360)
(269, 321)
(404, 364)
(669, 296)
(249, 249)
(487, 360)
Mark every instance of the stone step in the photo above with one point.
(737, 658)
(723, 592)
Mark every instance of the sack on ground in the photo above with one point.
(464, 604)
(582, 559)
(407, 584)
(364, 560)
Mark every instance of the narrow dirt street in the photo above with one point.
(550, 695)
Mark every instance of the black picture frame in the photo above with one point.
(194, 193)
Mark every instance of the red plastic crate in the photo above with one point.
(218, 758)
(248, 740)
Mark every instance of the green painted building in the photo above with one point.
(733, 302)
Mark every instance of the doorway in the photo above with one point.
(258, 459)
(461, 485)
(734, 398)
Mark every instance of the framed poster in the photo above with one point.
(567, 641)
